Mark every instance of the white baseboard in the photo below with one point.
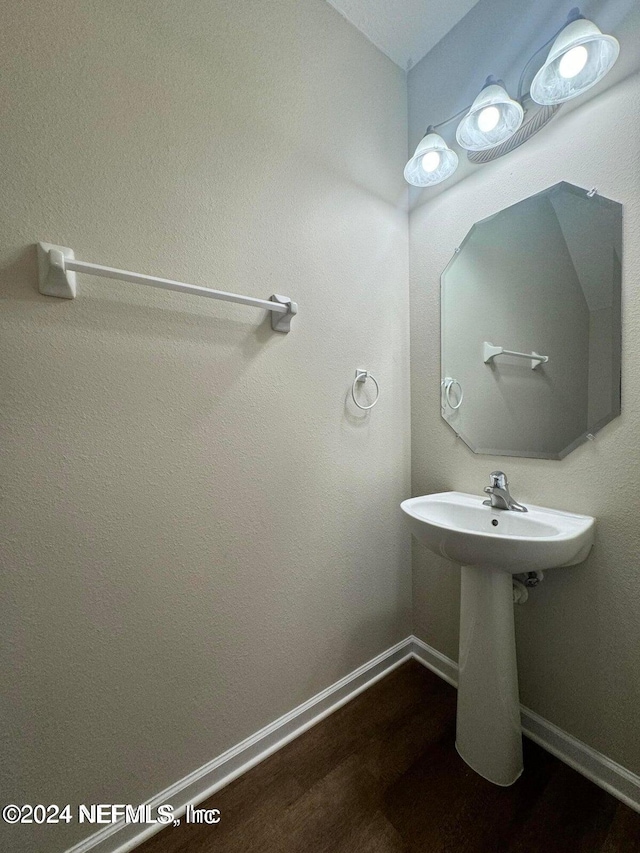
(617, 780)
(435, 661)
(123, 837)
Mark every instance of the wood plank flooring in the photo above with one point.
(381, 775)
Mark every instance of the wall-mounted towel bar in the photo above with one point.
(490, 352)
(57, 268)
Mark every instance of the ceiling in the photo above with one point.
(405, 30)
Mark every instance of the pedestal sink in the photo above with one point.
(491, 545)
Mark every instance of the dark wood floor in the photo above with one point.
(381, 775)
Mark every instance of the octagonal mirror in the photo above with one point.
(530, 324)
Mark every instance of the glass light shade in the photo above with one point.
(432, 162)
(568, 72)
(492, 119)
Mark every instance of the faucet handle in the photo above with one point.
(498, 480)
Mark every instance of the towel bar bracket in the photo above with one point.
(54, 278)
(282, 322)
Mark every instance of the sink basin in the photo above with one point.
(462, 529)
(491, 545)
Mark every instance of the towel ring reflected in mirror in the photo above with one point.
(447, 384)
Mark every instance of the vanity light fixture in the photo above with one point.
(495, 123)
(432, 162)
(492, 118)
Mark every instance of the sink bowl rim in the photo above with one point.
(578, 524)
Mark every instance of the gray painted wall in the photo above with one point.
(198, 531)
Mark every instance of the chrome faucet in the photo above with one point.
(500, 496)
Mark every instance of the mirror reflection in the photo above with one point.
(530, 324)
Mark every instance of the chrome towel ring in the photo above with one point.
(447, 383)
(361, 377)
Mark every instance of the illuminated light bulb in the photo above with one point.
(492, 118)
(431, 161)
(488, 119)
(573, 62)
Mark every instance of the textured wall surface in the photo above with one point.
(579, 634)
(198, 530)
(403, 29)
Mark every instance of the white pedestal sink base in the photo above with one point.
(492, 544)
(489, 734)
